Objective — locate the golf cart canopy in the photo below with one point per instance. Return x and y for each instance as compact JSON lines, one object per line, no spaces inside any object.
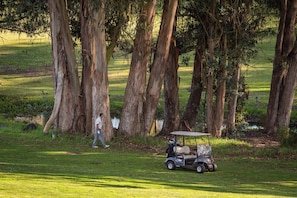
{"x":189,"y":133}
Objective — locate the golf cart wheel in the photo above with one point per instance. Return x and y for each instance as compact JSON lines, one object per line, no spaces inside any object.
{"x":170,"y":165}
{"x":215,"y":167}
{"x":200,"y":168}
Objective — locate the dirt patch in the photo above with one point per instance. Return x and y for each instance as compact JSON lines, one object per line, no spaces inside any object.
{"x":260,"y":139}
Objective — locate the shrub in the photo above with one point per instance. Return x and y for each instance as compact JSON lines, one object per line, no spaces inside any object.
{"x":287,"y":137}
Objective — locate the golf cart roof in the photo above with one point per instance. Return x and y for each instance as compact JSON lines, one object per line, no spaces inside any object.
{"x":189,"y":133}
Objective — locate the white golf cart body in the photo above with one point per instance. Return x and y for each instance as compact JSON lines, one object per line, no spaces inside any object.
{"x":181,"y":156}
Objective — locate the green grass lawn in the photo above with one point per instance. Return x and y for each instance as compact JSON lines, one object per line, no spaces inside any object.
{"x":35,"y":165}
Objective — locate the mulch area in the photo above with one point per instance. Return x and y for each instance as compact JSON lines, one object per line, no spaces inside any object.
{"x":260,"y":139}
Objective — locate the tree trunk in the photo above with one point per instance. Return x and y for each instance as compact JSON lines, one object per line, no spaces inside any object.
{"x":209,"y":89}
{"x":132,"y":120}
{"x":188,"y":120}
{"x":100,"y":97}
{"x":210,"y":66}
{"x":158,"y":68}
{"x":66,"y":110}
{"x":221,"y":89}
{"x":86,"y":82}
{"x":171,"y":81}
{"x":284,"y":44}
{"x":288,"y":93}
{"x":232,"y":102}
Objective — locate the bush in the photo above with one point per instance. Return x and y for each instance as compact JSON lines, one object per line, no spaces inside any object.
{"x":287,"y":137}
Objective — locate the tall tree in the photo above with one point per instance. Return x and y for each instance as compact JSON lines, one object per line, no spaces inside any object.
{"x":211,"y":63}
{"x":283,"y":82}
{"x":171,"y":84}
{"x":67,"y":90}
{"x":158,"y":67}
{"x":132,"y":120}
{"x":77,"y":105}
{"x":192,"y":37}
{"x":227,"y":36}
{"x":188,"y":120}
{"x":100,"y":86}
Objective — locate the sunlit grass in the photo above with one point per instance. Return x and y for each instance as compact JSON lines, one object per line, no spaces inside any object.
{"x":21,"y":52}
{"x":27,"y":86}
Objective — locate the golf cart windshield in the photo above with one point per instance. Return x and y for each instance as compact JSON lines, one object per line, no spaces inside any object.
{"x":189,"y":133}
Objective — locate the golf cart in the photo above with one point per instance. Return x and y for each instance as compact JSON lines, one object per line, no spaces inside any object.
{"x":181,"y":156}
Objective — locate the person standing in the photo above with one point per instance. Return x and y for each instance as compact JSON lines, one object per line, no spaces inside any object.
{"x":98,"y":132}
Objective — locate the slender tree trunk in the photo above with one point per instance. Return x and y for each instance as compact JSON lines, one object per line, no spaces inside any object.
{"x":159,"y":66}
{"x":66,"y":110}
{"x":100,"y":97}
{"x":171,"y":81}
{"x":210,"y":68}
{"x":132,"y":120}
{"x":221,"y":90}
{"x":220,"y":102}
{"x":209,"y":89}
{"x":188,"y":120}
{"x":232,"y":102}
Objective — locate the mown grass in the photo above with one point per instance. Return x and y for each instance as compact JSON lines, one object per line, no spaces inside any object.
{"x":35,"y":165}
{"x":19,"y":52}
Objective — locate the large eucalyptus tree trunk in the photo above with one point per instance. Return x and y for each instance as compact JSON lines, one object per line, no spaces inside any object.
{"x":66,"y":111}
{"x":132,"y":120}
{"x":158,"y":67}
{"x":279,"y":81}
{"x":100,"y":87}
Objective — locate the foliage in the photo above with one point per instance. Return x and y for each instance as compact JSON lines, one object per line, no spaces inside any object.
{"x":28,"y":16}
{"x":23,"y":106}
{"x":287,"y":137}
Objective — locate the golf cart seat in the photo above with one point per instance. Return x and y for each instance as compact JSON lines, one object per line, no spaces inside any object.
{"x":184,"y":151}
{"x":203,"y":149}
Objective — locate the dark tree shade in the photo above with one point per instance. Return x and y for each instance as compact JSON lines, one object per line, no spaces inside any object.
{"x":30,"y":16}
